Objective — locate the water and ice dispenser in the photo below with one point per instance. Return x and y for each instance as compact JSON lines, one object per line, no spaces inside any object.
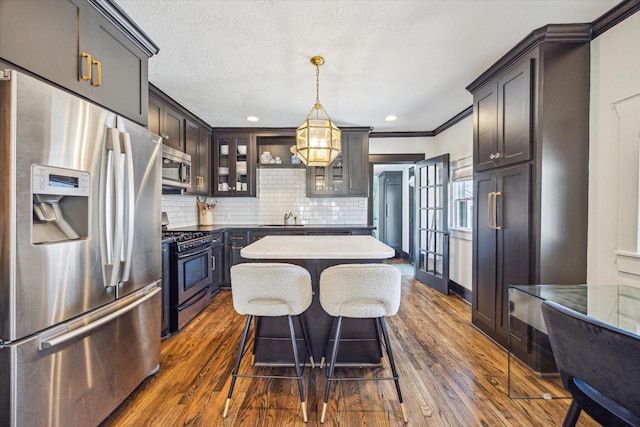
{"x":60,"y":204}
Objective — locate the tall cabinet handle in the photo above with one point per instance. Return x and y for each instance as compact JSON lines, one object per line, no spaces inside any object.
{"x":88,"y":58}
{"x":495,"y":210}
{"x":489,"y":210}
{"x":98,"y":65}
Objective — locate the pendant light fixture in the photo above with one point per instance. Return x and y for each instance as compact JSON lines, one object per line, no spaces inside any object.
{"x":318,"y":138}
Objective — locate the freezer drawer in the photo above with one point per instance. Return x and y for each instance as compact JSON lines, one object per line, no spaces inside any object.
{"x":78,"y":372}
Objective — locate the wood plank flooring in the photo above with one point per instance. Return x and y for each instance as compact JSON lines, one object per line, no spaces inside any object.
{"x":450,"y":374}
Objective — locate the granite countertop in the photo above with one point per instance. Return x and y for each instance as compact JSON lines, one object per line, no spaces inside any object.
{"x":317,"y":247}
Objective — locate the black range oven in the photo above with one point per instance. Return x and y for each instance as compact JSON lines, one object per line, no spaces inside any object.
{"x":192,"y":267}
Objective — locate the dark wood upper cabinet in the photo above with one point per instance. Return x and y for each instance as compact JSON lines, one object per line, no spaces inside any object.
{"x":76,"y":44}
{"x":198,"y":142}
{"x":502,"y":125}
{"x":348,"y":174}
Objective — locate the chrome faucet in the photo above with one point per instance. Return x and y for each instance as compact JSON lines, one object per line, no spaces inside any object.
{"x":287,"y":216}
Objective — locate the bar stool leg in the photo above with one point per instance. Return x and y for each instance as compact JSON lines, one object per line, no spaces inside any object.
{"x":296,"y":359}
{"x":326,"y":344}
{"x":396,"y":379}
{"x":234,"y":373}
{"x":332,"y":365}
{"x":306,"y":340}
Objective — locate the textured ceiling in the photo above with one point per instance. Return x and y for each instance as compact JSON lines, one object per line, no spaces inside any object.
{"x":225,"y":60}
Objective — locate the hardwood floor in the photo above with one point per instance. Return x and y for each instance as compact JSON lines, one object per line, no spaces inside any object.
{"x":450,"y":374}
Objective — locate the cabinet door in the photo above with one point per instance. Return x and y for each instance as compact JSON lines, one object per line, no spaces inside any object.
{"x":513,"y":238}
{"x":485,"y":127}
{"x":42,"y":37}
{"x":514,"y":114}
{"x":155,"y":116}
{"x":119,"y":68}
{"x":234,"y":169}
{"x":328,"y":181}
{"x":484,"y":253}
{"x":217,"y":265}
{"x":173,"y":128}
{"x":204,"y":159}
{"x":501,"y":244}
{"x":191,"y":148}
{"x":358,"y":164}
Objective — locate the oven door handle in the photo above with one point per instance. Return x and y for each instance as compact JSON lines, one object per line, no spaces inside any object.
{"x":190,"y":254}
{"x":190,"y":303}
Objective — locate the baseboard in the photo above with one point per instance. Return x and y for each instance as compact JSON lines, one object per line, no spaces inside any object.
{"x":460,"y":290}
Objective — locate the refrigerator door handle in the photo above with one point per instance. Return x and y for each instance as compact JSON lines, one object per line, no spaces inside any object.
{"x":48,"y":341}
{"x":113,"y":260}
{"x":130,"y":204}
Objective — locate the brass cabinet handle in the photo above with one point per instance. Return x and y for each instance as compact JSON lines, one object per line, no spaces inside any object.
{"x":88,"y":75}
{"x":489,"y":196}
{"x":495,"y":210}
{"x":492,"y":210}
{"x":98,"y":65}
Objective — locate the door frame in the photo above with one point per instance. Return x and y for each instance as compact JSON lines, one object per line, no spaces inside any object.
{"x":401,"y":158}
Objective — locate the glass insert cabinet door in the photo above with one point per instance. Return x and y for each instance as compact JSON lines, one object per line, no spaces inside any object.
{"x":431,"y":218}
{"x":232,"y":168}
{"x":330,"y":179}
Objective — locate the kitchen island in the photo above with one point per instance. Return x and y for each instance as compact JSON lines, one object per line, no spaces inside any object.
{"x":315,"y":253}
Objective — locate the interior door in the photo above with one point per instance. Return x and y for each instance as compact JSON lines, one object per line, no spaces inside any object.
{"x":431,"y":220}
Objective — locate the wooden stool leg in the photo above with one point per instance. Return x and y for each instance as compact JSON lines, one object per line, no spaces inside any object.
{"x":234,"y":373}
{"x":396,"y":378}
{"x":332,"y":365}
{"x":296,"y":360}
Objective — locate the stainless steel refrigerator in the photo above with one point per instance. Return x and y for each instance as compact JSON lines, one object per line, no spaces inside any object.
{"x":80,"y":262}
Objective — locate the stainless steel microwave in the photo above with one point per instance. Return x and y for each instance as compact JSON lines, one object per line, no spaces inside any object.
{"x":176,"y":169}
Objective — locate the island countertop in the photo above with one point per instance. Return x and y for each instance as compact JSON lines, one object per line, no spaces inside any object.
{"x":317,"y":247}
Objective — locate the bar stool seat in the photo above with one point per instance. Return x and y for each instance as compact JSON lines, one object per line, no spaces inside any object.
{"x":271,"y":289}
{"x":360,"y":291}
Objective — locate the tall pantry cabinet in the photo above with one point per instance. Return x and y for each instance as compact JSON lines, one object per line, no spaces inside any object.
{"x":531,"y":141}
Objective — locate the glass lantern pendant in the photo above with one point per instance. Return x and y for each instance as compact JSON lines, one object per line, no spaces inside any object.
{"x":318,"y":138}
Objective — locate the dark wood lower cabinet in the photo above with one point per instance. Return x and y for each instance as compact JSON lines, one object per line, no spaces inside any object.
{"x":501,"y":245}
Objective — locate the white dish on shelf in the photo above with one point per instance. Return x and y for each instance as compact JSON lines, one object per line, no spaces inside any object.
{"x":223,"y":171}
{"x":242,"y":149}
{"x":224,"y":150}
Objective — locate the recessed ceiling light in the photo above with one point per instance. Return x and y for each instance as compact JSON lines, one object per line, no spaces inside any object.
{"x":390,"y":118}
{"x":252,"y":118}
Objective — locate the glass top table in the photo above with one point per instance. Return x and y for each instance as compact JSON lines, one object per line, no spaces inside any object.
{"x":532,"y":372}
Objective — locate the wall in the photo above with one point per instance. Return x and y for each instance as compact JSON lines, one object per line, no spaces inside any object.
{"x":614,"y":154}
{"x":279,"y":191}
{"x":458,"y":142}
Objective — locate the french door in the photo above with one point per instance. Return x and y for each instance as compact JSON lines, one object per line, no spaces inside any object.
{"x":431,"y":220}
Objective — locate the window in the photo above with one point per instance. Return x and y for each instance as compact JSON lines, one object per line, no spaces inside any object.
{"x":462,"y":194}
{"x":462,"y":198}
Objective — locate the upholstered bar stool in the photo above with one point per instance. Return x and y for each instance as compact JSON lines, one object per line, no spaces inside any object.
{"x":360,"y":291}
{"x":271,"y":289}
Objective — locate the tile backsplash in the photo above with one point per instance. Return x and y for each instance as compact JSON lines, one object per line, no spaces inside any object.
{"x":279,"y":191}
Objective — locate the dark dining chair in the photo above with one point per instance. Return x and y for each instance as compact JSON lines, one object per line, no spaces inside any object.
{"x":599,"y":366}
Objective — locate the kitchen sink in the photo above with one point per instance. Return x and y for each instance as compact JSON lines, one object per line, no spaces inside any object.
{"x":282,"y":225}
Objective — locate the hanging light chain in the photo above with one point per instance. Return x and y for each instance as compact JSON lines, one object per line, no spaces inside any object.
{"x":318,"y":106}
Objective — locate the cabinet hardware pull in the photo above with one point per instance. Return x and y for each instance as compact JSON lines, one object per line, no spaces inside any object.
{"x":213,"y":263}
{"x":489,"y":195}
{"x":495,"y":210}
{"x":99,"y":69}
{"x":88,"y":75}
